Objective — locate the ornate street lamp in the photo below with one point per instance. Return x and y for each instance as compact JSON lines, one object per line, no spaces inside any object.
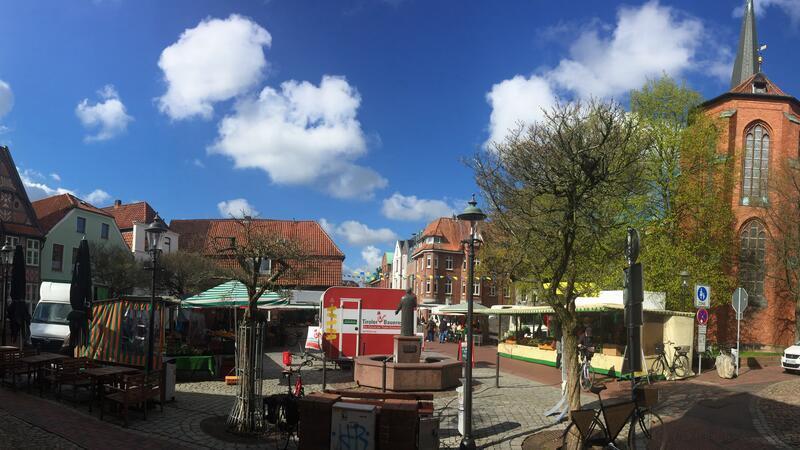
{"x":6,"y":253}
{"x":685,"y":283}
{"x":153,"y":232}
{"x":473,"y":215}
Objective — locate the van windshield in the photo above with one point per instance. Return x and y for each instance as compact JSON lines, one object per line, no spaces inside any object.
{"x":52,"y":313}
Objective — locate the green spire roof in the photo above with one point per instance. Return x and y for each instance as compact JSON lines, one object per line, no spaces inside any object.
{"x":746,"y":64}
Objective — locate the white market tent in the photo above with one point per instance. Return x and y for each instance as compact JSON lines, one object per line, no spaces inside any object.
{"x":459,"y":309}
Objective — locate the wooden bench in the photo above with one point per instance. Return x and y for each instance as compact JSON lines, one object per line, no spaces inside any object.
{"x":68,"y":372}
{"x":134,"y":390}
{"x":12,"y":365}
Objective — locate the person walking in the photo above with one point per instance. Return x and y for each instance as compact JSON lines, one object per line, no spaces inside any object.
{"x":443,"y":329}
{"x":431,"y":329}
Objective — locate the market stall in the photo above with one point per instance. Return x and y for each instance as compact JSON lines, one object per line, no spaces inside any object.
{"x":533,"y":330}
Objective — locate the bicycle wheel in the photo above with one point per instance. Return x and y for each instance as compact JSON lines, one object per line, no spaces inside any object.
{"x":291,"y":339}
{"x":647,"y":432}
{"x":658,"y":368}
{"x":586,"y":376}
{"x":681,"y":366}
{"x":572,"y":429}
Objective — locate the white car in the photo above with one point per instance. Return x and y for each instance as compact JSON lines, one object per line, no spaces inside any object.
{"x":791,"y":358}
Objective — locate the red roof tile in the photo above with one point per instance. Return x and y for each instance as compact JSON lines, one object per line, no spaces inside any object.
{"x":126,"y":215}
{"x":452,"y":231}
{"x":127,"y":236}
{"x":51,"y":210}
{"x":325,"y":266}
{"x":747,"y":86}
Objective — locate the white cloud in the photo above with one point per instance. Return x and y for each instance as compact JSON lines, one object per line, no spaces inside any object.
{"x":790,"y":7}
{"x":37,"y":189}
{"x":198,"y":163}
{"x":302,"y":135}
{"x":98,"y":197}
{"x":55,"y":176}
{"x":409,"y":207}
{"x":358,"y":234}
{"x":646,"y":42}
{"x":6,"y":98}
{"x":108,"y":116}
{"x":518,"y":101}
{"x":237,"y":207}
{"x":217,"y":60}
{"x":372,"y":256}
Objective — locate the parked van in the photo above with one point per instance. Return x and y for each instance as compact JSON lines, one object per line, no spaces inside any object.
{"x":49,"y":324}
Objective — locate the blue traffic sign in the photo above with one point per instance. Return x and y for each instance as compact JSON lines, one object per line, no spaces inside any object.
{"x":702,"y":294}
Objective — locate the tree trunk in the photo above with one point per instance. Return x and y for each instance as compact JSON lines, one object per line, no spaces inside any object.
{"x":245,"y":415}
{"x":570,"y":361}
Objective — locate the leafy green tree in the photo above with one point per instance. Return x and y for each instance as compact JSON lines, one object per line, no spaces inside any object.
{"x":115,"y":268}
{"x":556,"y":195}
{"x":685,"y":214}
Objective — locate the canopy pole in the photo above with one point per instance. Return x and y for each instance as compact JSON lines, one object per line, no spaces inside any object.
{"x":499,"y":339}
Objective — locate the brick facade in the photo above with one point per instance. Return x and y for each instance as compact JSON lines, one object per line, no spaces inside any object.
{"x":740,"y":110}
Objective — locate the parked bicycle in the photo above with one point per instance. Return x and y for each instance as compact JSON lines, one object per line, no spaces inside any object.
{"x":601,"y":427}
{"x":281,"y":410}
{"x":678,"y":367}
{"x":585,"y":367}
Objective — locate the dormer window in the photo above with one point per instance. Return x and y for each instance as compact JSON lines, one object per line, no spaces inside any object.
{"x":759,"y":84}
{"x":433,"y":240}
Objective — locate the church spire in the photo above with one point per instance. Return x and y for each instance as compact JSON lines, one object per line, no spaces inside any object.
{"x":747,"y":63}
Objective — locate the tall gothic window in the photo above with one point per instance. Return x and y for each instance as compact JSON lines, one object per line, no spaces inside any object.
{"x":752,"y":260}
{"x":756,"y":166}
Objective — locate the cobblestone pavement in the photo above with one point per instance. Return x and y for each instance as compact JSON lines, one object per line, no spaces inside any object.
{"x":778,"y":413}
{"x":16,"y":433}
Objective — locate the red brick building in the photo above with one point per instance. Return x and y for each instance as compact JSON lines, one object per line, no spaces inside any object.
{"x":19,"y":225}
{"x":761,"y":134}
{"x":437,"y":267}
{"x":209,"y":236}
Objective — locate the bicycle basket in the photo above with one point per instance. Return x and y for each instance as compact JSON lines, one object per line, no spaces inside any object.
{"x":682,"y":349}
{"x":646,"y":396}
{"x":659,"y":348}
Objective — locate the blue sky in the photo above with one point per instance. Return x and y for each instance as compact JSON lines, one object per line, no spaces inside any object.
{"x":358,"y":112}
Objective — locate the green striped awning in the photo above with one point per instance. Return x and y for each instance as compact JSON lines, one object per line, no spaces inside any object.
{"x":598,"y":307}
{"x":231,"y":294}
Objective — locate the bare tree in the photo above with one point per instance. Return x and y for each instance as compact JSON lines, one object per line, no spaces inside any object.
{"x":115,"y":268}
{"x":187,"y":273}
{"x":783,"y":220}
{"x":556,"y":193}
{"x":263,"y":260}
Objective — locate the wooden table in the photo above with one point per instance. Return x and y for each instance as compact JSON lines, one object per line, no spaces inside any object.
{"x":37,"y":363}
{"x":100,"y":374}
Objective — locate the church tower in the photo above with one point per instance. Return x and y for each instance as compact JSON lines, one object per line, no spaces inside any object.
{"x":761,"y":134}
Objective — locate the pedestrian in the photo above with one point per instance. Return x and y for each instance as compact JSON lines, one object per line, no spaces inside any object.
{"x":431,"y":329}
{"x":443,"y":330}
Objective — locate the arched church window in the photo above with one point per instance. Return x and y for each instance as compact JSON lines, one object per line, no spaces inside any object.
{"x":752,"y":260}
{"x":756,"y":166}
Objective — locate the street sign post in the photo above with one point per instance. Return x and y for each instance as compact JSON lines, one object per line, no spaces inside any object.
{"x":739,"y":303}
{"x":702,"y":316}
{"x":702,"y":320}
{"x":702,"y":296}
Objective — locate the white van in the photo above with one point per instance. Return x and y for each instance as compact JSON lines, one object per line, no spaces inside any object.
{"x":49,"y":324}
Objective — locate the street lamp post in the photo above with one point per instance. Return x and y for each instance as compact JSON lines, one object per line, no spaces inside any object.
{"x":5,"y":259}
{"x":154,"y":231}
{"x":473,"y":215}
{"x":685,"y":283}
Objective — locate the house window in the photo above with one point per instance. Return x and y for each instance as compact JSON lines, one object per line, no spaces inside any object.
{"x":752,"y":260}
{"x":492,"y":291}
{"x":81,"y":226}
{"x":32,"y":292}
{"x":427,"y":287}
{"x":58,"y":257}
{"x":436,"y":262}
{"x":428,"y":261}
{"x":507,"y":292}
{"x":448,"y":287}
{"x":756,"y":166}
{"x":476,"y":289}
{"x":266,"y":266}
{"x":463,"y":288}
{"x":436,"y":286}
{"x":13,"y":241}
{"x":448,"y":263}
{"x":32,"y":252}
{"x":166,"y":245}
{"x":464,"y":264}
{"x":104,"y":231}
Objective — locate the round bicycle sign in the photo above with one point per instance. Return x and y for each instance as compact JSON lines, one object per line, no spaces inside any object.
{"x":702,"y":316}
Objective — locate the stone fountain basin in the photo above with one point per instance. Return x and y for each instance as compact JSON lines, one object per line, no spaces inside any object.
{"x":430,"y":374}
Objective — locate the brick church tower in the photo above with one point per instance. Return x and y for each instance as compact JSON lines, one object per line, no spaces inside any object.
{"x":761,"y":134}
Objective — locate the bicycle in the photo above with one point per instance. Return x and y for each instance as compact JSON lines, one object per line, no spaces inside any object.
{"x":586,"y":374}
{"x":645,"y":427}
{"x":679,"y":367}
{"x":281,"y":410}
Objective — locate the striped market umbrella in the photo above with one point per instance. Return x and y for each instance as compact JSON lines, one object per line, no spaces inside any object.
{"x":231,"y":294}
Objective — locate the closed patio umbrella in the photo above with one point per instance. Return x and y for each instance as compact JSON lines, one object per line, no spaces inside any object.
{"x":19,"y":314}
{"x":80,"y":297}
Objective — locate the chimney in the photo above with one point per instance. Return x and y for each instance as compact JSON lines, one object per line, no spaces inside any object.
{"x":117,"y":203}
